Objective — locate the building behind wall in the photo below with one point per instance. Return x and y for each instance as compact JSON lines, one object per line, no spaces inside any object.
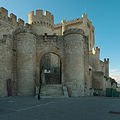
{"x":23,"y":45}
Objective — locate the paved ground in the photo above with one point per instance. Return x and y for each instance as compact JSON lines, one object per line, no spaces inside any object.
{"x":84,"y":108}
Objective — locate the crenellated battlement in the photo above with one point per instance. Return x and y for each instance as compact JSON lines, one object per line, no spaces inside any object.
{"x":69,"y":22}
{"x":106,"y":65}
{"x":12,"y":19}
{"x":3,"y":12}
{"x":21,"y":22}
{"x":72,"y":21}
{"x":84,"y":15}
{"x":23,"y":45}
{"x":97,"y":49}
{"x":89,"y":22}
{"x":76,"y":21}
{"x":57,"y":25}
{"x":106,"y":60}
{"x":97,"y":52}
{"x":38,"y":17}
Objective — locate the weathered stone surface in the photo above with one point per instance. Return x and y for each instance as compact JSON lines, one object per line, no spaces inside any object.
{"x":26,"y":63}
{"x":74,"y":61}
{"x":23,"y":46}
{"x":52,"y":90}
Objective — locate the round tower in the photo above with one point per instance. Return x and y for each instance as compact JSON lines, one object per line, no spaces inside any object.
{"x":74,"y":61}
{"x":106,"y":67}
{"x":97,"y":59}
{"x":40,"y":23}
{"x":26,"y":59}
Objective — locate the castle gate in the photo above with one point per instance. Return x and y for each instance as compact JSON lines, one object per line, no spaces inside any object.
{"x":49,"y":65}
{"x":49,"y":59}
{"x":39,"y":57}
{"x":50,"y":69}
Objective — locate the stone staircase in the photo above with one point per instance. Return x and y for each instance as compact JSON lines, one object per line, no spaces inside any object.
{"x":52,"y":91}
{"x":52,"y":78}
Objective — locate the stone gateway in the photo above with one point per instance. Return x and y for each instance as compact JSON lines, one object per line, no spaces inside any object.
{"x":59,"y":57}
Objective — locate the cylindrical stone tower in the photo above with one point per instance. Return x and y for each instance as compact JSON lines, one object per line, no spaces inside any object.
{"x":26,"y":59}
{"x":74,"y":61}
{"x":97,"y":59}
{"x":40,"y":23}
{"x":106,"y":67}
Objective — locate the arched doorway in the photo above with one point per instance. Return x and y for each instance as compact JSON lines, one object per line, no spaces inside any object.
{"x":50,"y":69}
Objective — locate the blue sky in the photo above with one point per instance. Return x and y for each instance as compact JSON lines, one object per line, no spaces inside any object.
{"x":103,"y":13}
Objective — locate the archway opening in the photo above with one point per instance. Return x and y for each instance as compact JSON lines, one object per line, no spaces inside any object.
{"x":50,"y":69}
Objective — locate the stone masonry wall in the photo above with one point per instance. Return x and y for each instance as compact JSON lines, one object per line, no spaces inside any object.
{"x":6,"y":64}
{"x":26,"y":63}
{"x":48,"y":44}
{"x":81,"y":23}
{"x":22,"y":47}
{"x":40,"y":23}
{"x":74,"y":61}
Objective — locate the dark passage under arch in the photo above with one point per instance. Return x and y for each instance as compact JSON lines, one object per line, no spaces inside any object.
{"x":50,"y":69}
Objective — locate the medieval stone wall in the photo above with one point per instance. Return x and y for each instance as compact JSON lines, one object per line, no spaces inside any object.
{"x":40,"y":23}
{"x":82,"y":23}
{"x":26,"y":63}
{"x":48,"y":44}
{"x":98,"y":79}
{"x":74,"y":61}
{"x":23,"y":46}
{"x":6,"y":63}
{"x":94,"y":59}
{"x":8,"y":24}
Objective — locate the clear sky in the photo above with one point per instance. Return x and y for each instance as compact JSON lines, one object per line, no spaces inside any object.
{"x":105,"y":15}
